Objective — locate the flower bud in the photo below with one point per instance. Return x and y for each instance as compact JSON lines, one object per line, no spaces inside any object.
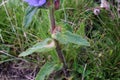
{"x":96,"y":11}
{"x":57,"y":4}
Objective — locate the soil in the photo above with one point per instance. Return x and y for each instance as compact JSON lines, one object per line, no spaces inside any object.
{"x":19,"y":70}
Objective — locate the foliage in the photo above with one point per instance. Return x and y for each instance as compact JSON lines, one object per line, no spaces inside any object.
{"x":68,"y":37}
{"x":100,"y":61}
{"x":30,"y":12}
{"x":48,"y":68}
{"x":43,"y":46}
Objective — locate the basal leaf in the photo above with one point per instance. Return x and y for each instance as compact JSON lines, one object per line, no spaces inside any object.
{"x":43,"y":46}
{"x":30,"y":12}
{"x":68,"y":37}
{"x":48,"y":68}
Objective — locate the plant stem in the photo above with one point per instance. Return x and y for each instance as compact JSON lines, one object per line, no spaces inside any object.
{"x":62,"y":58}
{"x":58,"y":48}
{"x":52,"y":19}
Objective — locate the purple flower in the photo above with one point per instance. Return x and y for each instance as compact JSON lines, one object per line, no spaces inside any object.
{"x":96,"y":11}
{"x":35,"y":3}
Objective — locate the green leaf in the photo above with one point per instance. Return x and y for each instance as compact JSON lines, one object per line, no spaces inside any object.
{"x":48,"y":68}
{"x":68,"y":37}
{"x":44,"y":46}
{"x":30,"y":12}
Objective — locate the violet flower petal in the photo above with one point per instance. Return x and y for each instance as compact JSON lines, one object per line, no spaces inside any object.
{"x":35,"y":3}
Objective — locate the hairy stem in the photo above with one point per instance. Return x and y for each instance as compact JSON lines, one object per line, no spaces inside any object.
{"x":52,"y":19}
{"x":58,"y":48}
{"x":62,"y":58}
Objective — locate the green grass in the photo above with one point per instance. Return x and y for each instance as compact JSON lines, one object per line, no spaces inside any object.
{"x":100,"y":61}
